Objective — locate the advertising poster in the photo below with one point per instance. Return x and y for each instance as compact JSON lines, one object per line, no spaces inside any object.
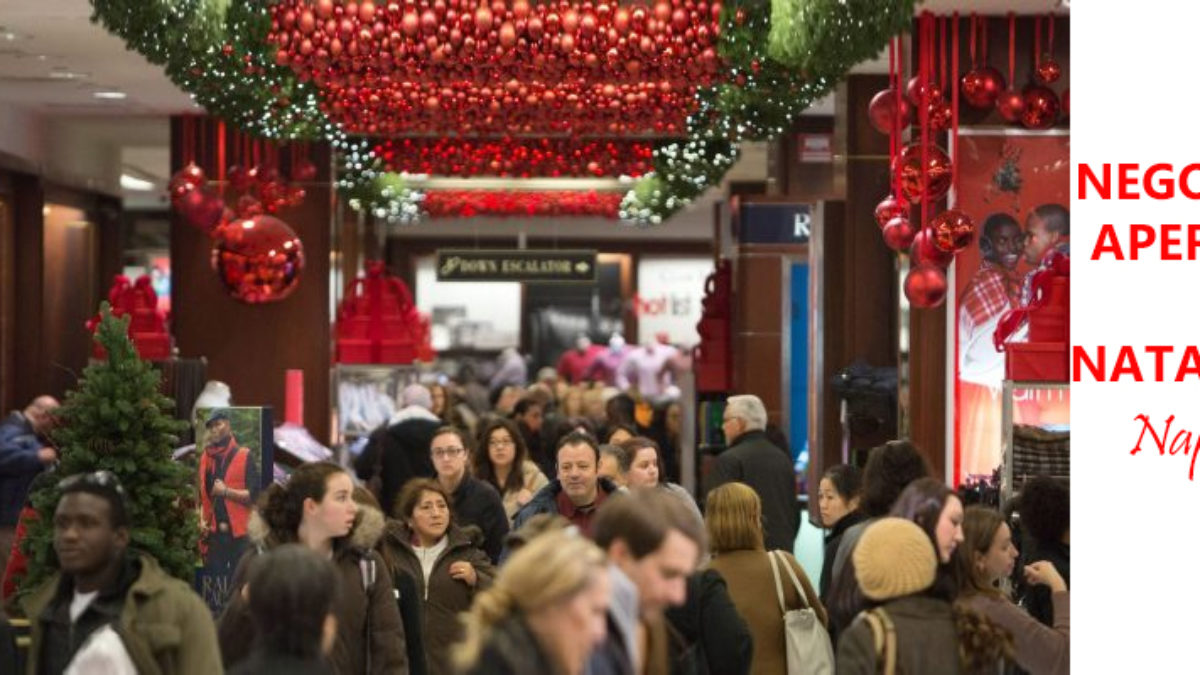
{"x":1004,"y":179}
{"x":234,"y":464}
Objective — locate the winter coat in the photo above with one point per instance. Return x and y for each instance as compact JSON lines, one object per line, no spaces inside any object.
{"x":832,"y":540}
{"x":444,"y":597}
{"x":546,"y":500}
{"x":512,"y":649}
{"x":1036,"y":599}
{"x":8,"y":647}
{"x":165,"y":626}
{"x":752,"y":586}
{"x":369,"y":626}
{"x":268,"y":663}
{"x":759,"y":463}
{"x":399,"y":452}
{"x":477,"y":503}
{"x":1038,"y":649}
{"x":716,"y":639}
{"x":926,"y":640}
{"x":19,"y":465}
{"x":532,"y":479}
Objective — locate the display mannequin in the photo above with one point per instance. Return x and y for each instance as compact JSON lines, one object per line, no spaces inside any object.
{"x":574,"y":364}
{"x":607,"y":368}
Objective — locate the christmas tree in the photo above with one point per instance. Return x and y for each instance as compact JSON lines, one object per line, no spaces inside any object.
{"x":117,"y":420}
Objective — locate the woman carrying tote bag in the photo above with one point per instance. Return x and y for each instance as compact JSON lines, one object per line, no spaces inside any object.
{"x":805,"y":638}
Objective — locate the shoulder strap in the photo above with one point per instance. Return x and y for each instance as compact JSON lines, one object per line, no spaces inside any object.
{"x":778,"y":585}
{"x":783,"y":562}
{"x":884,"y":633}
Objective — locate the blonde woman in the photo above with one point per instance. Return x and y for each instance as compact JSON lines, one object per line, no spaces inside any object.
{"x":735,"y":534}
{"x":545,"y":612}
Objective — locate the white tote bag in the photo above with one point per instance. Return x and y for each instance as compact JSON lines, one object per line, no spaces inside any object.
{"x":809,"y":651}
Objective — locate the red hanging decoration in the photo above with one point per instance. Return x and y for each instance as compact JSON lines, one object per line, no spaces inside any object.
{"x":888,"y":209}
{"x":1048,"y":70}
{"x":924,"y":250}
{"x":925,"y":287}
{"x":923,"y":173}
{"x":1040,"y":109}
{"x":258,"y":259}
{"x":521,"y":204}
{"x":882,"y":110}
{"x":517,"y":157}
{"x":952,"y":231}
{"x":899,"y":233}
{"x":982,"y":85}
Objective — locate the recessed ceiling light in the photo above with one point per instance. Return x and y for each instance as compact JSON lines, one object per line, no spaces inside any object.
{"x":131,"y":183}
{"x":64,"y":74}
{"x":111,"y":95}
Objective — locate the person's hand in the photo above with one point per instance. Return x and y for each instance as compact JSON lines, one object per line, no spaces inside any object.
{"x":524,"y":496}
{"x":47,"y":455}
{"x":219,"y":489}
{"x":1043,"y":572}
{"x":464,"y":572}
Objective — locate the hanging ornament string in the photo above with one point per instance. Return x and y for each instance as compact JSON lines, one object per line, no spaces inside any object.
{"x":1037,"y":43}
{"x":221,"y":153}
{"x":925,"y":47}
{"x":974,"y":60}
{"x":1050,"y":35}
{"x":1012,"y":49}
{"x":983,"y":28}
{"x":954,"y":106}
{"x":942,"y":52}
{"x":894,"y":130}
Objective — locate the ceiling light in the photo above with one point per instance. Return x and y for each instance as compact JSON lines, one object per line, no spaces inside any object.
{"x":111,"y":95}
{"x":137,"y":184}
{"x":64,"y":74}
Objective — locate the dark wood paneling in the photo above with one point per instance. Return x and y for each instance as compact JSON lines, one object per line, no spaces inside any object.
{"x":70,"y":294}
{"x":250,"y":347}
{"x":30,"y":365}
{"x":8,"y":297}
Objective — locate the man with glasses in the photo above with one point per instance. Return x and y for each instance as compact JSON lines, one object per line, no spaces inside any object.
{"x":751,"y":458}
{"x":110,"y":606}
{"x":25,"y":452}
{"x":475,"y":502}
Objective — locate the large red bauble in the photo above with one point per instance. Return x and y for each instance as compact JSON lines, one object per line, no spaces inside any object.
{"x":924,"y":251}
{"x":882,"y":111}
{"x":898,"y":234}
{"x":1041,"y":108}
{"x":982,"y":86}
{"x":918,"y":94}
{"x":258,"y":259}
{"x":887,"y":209}
{"x":952,"y":230}
{"x":1049,"y":71}
{"x":935,"y":182}
{"x":1010,"y":105}
{"x":925,"y":287}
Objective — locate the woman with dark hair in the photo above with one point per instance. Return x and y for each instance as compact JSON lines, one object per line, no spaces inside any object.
{"x":617,"y":434}
{"x":1045,"y":512}
{"x":503,"y":462}
{"x":939,"y":512}
{"x":292,"y":609}
{"x":447,"y":561}
{"x":666,"y":428}
{"x":987,"y":557}
{"x":837,"y":496}
{"x":475,"y":502}
{"x":316,"y":509}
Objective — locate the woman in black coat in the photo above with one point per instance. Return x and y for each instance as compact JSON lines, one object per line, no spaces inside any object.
{"x":716,"y":639}
{"x":838,"y":497}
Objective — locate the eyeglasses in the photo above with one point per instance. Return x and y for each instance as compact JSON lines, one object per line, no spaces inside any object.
{"x":501,"y":443}
{"x":443,"y":453}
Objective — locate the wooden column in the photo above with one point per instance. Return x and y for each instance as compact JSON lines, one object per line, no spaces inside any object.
{"x":249,"y":347}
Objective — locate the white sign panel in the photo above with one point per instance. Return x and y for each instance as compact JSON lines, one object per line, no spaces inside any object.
{"x":669,"y":297}
{"x":468,"y":314}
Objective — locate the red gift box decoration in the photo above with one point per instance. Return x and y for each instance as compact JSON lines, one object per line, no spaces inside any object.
{"x":378,"y":322}
{"x":147,"y":325}
{"x":1045,"y":356}
{"x":713,"y":357}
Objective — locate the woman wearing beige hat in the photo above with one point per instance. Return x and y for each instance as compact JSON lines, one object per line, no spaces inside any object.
{"x":895,"y":564}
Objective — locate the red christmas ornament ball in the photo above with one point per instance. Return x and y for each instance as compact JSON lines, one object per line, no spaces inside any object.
{"x":887,"y":209}
{"x":189,"y":175}
{"x":917,"y":93}
{"x":1010,"y":105}
{"x":258,"y":259}
{"x":1041,"y":108}
{"x":925,"y":253}
{"x":952,"y":230}
{"x":982,"y":86}
{"x":882,"y":111}
{"x":202,"y":209}
{"x":940,"y":116}
{"x":925,"y":287}
{"x":915,"y":185}
{"x":898,"y":234}
{"x":1049,"y":71}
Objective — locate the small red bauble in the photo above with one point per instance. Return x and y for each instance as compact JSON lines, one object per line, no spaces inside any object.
{"x":982,"y":86}
{"x":887,"y":209}
{"x":918,"y":94}
{"x":1049,"y":71}
{"x":1041,"y":108}
{"x":191,"y":175}
{"x":924,"y":251}
{"x":898,"y":234}
{"x":915,"y":185}
{"x":304,"y":171}
{"x":1010,"y":105}
{"x":952,"y":230}
{"x":940,"y":116}
{"x":258,"y":259}
{"x":925,"y":287}
{"x":882,"y":111}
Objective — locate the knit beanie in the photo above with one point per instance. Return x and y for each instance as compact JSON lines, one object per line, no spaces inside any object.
{"x":894,"y":558}
{"x":415,"y":394}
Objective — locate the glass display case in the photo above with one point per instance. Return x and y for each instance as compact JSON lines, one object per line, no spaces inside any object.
{"x":1036,"y":433}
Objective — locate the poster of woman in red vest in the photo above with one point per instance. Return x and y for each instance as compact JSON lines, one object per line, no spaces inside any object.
{"x":230,"y":471}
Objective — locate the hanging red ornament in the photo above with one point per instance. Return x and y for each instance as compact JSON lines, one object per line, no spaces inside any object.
{"x":924,"y":251}
{"x":1049,"y":71}
{"x":304,"y":171}
{"x":887,"y":209}
{"x":1010,"y":105}
{"x":1041,"y":108}
{"x":201,"y":208}
{"x":258,"y":259}
{"x":882,"y":111}
{"x":933,"y":183}
{"x":918,"y":94}
{"x":952,"y":230}
{"x":898,"y":234}
{"x":940,"y":116}
{"x":982,"y":86}
{"x":189,"y":175}
{"x":925,"y":287}
{"x":249,"y":206}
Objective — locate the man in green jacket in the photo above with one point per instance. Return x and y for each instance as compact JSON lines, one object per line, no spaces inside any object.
{"x":110,"y":603}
